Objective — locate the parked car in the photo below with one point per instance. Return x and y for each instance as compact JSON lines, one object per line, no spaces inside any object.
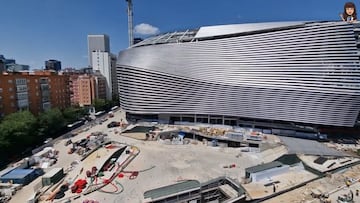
{"x":113,"y":124}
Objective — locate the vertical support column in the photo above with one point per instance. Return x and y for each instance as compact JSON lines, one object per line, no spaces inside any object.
{"x":223,"y":120}
{"x":208,"y":119}
{"x":195,"y":118}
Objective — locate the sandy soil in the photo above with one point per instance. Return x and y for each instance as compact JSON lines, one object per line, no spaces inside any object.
{"x":326,"y":185}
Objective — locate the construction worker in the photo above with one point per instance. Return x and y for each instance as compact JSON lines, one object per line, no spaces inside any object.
{"x":274,"y":188}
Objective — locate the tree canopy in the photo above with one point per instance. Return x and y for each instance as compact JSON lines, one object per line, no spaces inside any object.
{"x":21,"y":131}
{"x":18,"y":131}
{"x":51,"y":123}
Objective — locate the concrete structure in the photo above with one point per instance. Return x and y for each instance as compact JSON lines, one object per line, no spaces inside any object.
{"x":34,"y":91}
{"x":97,"y":43}
{"x":53,"y":65}
{"x":53,"y":176}
{"x":221,"y":189}
{"x":186,"y":191}
{"x":266,"y":171}
{"x":101,"y":62}
{"x":293,"y":72}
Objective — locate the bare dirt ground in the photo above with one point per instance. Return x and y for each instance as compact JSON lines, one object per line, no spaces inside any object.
{"x":327,"y":184}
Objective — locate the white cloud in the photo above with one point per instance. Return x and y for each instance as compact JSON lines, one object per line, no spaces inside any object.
{"x":146,"y":29}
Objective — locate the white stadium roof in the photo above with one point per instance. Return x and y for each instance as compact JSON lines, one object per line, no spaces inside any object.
{"x":221,"y":30}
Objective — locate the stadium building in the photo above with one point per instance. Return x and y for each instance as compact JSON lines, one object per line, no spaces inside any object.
{"x":279,"y":73}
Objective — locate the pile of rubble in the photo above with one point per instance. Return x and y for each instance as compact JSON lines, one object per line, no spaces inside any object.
{"x":87,"y":144}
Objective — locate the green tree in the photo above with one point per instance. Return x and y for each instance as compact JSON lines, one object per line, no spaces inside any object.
{"x":73,"y":113}
{"x":17,"y":132}
{"x":115,"y":100}
{"x":99,"y":104}
{"x":104,"y":104}
{"x":51,"y":123}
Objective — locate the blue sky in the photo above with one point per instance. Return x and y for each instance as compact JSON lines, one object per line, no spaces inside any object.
{"x":33,"y":31}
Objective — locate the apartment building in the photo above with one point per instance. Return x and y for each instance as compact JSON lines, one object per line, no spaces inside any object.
{"x":35,"y":91}
{"x":87,"y":87}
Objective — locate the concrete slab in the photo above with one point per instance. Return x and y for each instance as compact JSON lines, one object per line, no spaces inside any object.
{"x":330,"y":164}
{"x":309,"y":147}
{"x":294,"y":177}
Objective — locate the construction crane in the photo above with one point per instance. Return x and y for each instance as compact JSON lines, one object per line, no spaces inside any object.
{"x":130,"y":22}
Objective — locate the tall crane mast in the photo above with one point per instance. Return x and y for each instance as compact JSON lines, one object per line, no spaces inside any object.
{"x":130,"y":22}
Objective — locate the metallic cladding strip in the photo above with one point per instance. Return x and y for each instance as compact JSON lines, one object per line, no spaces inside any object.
{"x":309,"y":74}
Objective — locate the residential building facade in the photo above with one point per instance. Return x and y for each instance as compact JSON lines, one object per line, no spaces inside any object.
{"x":85,"y":88}
{"x":35,"y":91}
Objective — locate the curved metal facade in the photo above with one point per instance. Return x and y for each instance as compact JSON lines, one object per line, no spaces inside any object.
{"x":308,"y":73}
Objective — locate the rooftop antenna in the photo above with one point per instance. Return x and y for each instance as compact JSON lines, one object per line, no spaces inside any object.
{"x":130,"y":22}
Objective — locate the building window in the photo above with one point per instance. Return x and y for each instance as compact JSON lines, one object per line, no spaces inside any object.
{"x":10,"y":89}
{"x":46,"y":106}
{"x":22,"y":96}
{"x":44,"y":80}
{"x":21,"y":88}
{"x":10,"y":81}
{"x":20,"y":81}
{"x":23,"y":103}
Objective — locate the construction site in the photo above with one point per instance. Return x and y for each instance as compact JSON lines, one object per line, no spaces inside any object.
{"x":150,"y":162}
